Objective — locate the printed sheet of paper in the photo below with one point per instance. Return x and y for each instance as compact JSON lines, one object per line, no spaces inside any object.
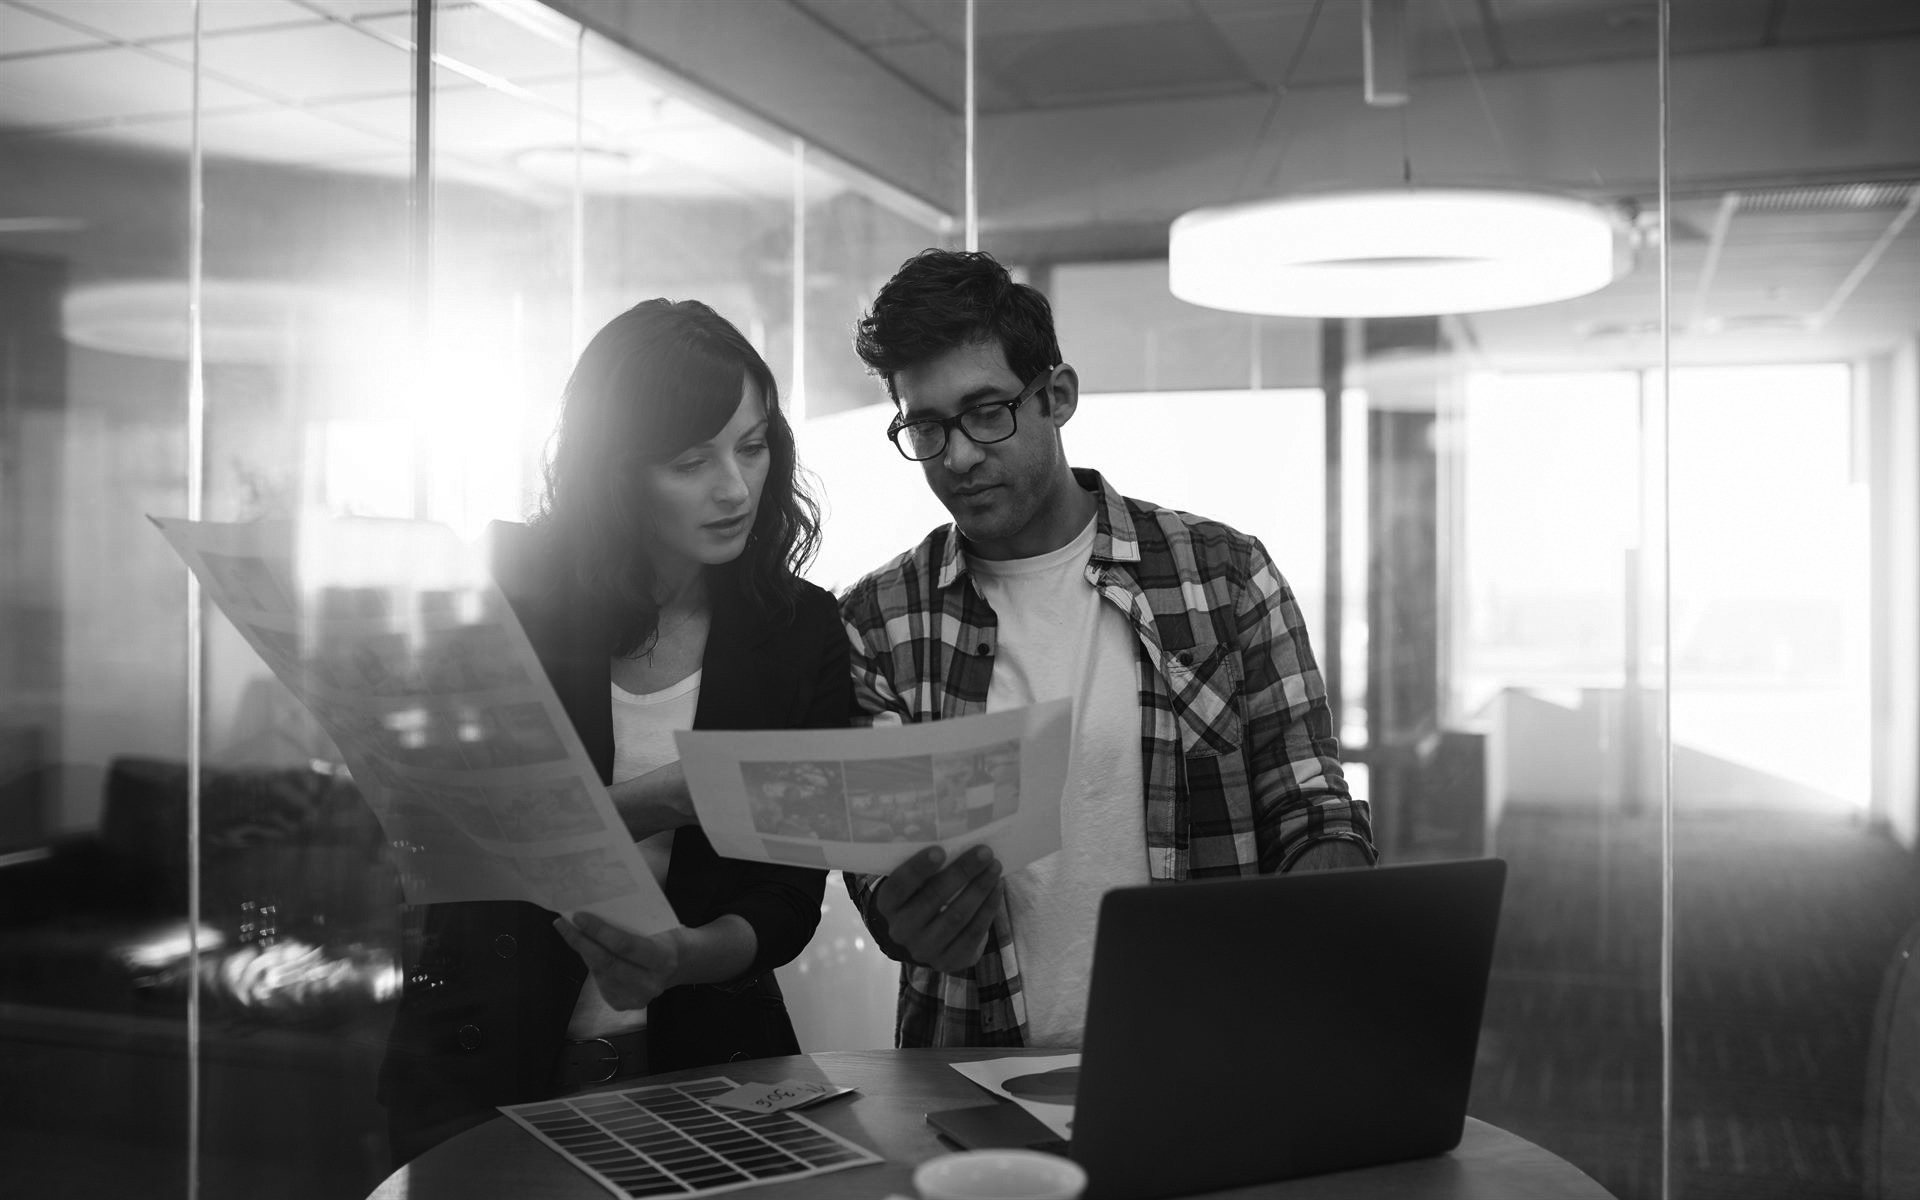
{"x":394,"y":635}
{"x":1044,"y":1085}
{"x":866,"y":799}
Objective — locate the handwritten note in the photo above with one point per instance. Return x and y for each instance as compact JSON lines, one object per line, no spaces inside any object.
{"x":776,"y":1097}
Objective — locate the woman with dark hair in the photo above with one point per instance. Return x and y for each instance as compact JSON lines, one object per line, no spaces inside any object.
{"x":658,"y":584}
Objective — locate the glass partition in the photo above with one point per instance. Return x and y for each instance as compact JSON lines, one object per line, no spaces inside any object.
{"x":1795,"y":309}
{"x":95,"y":137}
{"x":250,"y":270}
{"x":1468,"y":502}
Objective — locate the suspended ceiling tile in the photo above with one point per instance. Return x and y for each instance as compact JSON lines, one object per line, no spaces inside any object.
{"x":150,"y":20}
{"x":1442,"y":39}
{"x":98,"y":85}
{"x":359,"y":9}
{"x":1546,"y":32}
{"x":23,"y":32}
{"x":1722,"y":25}
{"x":1118,"y":62}
{"x":313,"y":64}
{"x":1818,"y":20}
{"x":939,"y":71}
{"x":1023,"y":18}
{"x":221,"y":16}
{"x":125,"y":20}
{"x":390,"y":116}
{"x":867,"y":22}
{"x":488,"y":42}
{"x":1266,"y":38}
{"x":1334,"y":54}
{"x":945,"y":19}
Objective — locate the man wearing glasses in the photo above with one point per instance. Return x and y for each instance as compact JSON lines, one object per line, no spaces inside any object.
{"x":1203,"y":745}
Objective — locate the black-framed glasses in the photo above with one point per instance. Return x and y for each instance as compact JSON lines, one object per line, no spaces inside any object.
{"x":984,"y":424}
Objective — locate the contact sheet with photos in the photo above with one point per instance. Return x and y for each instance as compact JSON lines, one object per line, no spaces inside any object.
{"x":865,"y":799}
{"x":668,"y":1140}
{"x":394,"y":636}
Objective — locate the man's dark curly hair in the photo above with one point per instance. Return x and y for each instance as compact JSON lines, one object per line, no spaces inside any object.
{"x":940,"y":300}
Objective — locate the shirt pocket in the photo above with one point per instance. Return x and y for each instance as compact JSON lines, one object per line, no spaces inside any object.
{"x":1204,"y":686}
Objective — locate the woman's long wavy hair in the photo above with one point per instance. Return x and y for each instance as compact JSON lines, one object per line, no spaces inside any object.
{"x":659,"y":378}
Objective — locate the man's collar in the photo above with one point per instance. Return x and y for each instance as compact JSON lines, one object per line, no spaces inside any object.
{"x":1114,"y":538}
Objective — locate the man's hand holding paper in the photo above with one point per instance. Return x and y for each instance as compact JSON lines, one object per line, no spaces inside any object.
{"x":937,"y":913}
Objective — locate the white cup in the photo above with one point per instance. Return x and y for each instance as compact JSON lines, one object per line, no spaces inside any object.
{"x":999,"y":1175}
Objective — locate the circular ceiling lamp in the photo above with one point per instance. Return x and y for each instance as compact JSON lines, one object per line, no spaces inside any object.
{"x":241,"y":321}
{"x":1395,"y":252}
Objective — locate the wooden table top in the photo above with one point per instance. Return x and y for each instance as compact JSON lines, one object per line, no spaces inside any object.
{"x":897,"y":1088}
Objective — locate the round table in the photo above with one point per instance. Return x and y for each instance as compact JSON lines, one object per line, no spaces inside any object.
{"x":897,"y":1088}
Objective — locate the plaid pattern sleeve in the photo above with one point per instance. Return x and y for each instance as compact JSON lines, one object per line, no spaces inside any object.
{"x":1299,"y":791}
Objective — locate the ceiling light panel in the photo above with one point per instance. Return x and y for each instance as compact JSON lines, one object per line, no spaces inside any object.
{"x":487,"y":42}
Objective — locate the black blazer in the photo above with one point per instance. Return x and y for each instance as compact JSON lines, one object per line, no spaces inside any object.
{"x":483,"y":1017}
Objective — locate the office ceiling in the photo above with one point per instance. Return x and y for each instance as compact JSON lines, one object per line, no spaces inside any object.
{"x":1074,"y":164}
{"x":1061,"y":53}
{"x":328,"y":84}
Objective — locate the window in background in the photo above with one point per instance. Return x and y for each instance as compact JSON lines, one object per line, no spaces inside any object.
{"x":1770,"y":590}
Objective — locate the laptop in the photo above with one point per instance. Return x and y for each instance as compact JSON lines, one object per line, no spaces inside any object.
{"x":1251,"y":1030}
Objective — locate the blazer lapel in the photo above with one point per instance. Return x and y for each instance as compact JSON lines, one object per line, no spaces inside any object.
{"x":737,"y":681}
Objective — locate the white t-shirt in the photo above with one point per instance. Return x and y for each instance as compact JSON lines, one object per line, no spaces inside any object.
{"x":643,"y":725}
{"x":1057,"y":638}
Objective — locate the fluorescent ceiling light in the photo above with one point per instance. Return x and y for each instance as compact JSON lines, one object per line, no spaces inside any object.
{"x":1390,"y":252}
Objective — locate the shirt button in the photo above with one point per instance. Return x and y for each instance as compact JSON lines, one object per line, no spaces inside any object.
{"x":505,"y":946}
{"x":982,"y":651}
{"x":1185,"y":657}
{"x":469,"y":1037}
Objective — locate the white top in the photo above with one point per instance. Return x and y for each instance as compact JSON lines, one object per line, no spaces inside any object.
{"x":643,"y":725}
{"x":1058,"y":638}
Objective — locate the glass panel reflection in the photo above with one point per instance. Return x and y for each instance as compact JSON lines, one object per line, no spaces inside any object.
{"x":1796,"y":300}
{"x":94,"y":137}
{"x":1474,"y":494}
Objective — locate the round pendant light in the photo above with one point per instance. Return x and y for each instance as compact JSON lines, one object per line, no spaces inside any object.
{"x":1387,"y":252}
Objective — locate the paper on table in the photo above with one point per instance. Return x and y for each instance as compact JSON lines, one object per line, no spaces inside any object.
{"x":395,"y":637}
{"x":778,"y":1097}
{"x":866,"y":799}
{"x":1035,"y":1084}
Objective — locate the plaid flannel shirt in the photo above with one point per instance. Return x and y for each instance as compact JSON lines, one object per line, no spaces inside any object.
{"x":1238,"y":754}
